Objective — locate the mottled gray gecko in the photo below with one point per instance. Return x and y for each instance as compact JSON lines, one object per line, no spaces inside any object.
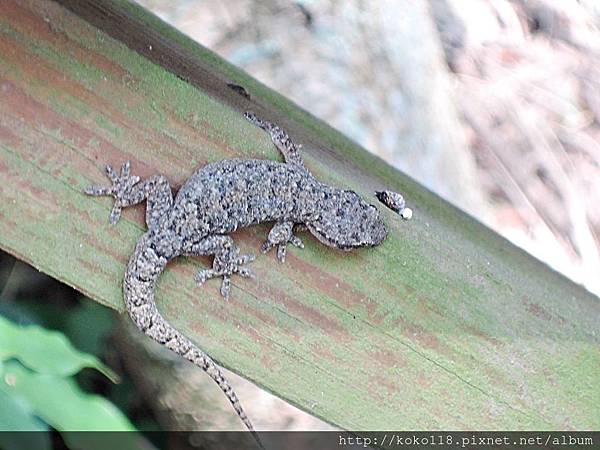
{"x":214,"y":202}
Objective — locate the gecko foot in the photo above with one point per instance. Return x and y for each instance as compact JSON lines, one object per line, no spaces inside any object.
{"x":288,"y":148}
{"x":225,"y":265}
{"x":279,"y":236}
{"x":122,"y":184}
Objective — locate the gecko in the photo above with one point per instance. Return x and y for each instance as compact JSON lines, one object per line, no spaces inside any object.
{"x":215,"y":201}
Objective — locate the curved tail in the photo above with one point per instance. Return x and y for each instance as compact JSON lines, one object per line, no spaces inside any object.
{"x":143,"y":270}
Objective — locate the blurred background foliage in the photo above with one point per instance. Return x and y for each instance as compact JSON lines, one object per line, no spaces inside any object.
{"x":493,"y":104}
{"x":52,"y":339}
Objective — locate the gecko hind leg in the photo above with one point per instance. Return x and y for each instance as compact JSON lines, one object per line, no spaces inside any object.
{"x":227,"y":261}
{"x":284,"y":143}
{"x":279,"y":236}
{"x":127,"y":191}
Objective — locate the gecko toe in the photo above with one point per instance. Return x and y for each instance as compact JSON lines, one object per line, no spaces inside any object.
{"x":244,"y":272}
{"x":295,"y":240}
{"x":281,"y":251}
{"x":110,"y":173}
{"x":266,"y":246}
{"x":226,"y":286}
{"x":203,"y":275}
{"x":133,"y":180}
{"x":240,"y":263}
{"x":97,"y":191}
{"x":115,"y":214}
{"x":225,"y":265}
{"x":244,"y":259}
{"x":125,"y":169}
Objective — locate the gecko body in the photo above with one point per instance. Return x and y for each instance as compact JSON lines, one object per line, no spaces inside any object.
{"x":214,"y":202}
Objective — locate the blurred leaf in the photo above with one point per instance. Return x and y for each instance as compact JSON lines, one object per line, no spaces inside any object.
{"x":17,"y":415}
{"x":46,"y":352}
{"x":60,"y":402}
{"x":88,"y":324}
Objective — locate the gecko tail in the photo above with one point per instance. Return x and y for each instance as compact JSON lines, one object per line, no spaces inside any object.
{"x":143,"y":270}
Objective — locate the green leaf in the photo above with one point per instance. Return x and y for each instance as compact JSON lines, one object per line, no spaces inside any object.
{"x":88,"y":325}
{"x":46,"y":352}
{"x":17,"y":415}
{"x":60,"y":402}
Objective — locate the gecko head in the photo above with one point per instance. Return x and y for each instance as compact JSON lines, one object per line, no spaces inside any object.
{"x":347,"y":221}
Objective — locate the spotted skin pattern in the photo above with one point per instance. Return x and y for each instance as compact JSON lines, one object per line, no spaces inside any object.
{"x":214,"y":202}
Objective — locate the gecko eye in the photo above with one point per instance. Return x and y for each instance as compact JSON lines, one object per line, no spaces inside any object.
{"x":347,"y":222}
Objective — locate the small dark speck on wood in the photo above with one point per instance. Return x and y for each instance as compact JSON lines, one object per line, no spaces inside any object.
{"x":239,"y":89}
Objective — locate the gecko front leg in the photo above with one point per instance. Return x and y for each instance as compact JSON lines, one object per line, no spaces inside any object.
{"x":227,"y":260}
{"x":279,"y":236}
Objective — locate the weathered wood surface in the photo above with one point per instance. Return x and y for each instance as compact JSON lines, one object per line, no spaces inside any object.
{"x":444,"y":326}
